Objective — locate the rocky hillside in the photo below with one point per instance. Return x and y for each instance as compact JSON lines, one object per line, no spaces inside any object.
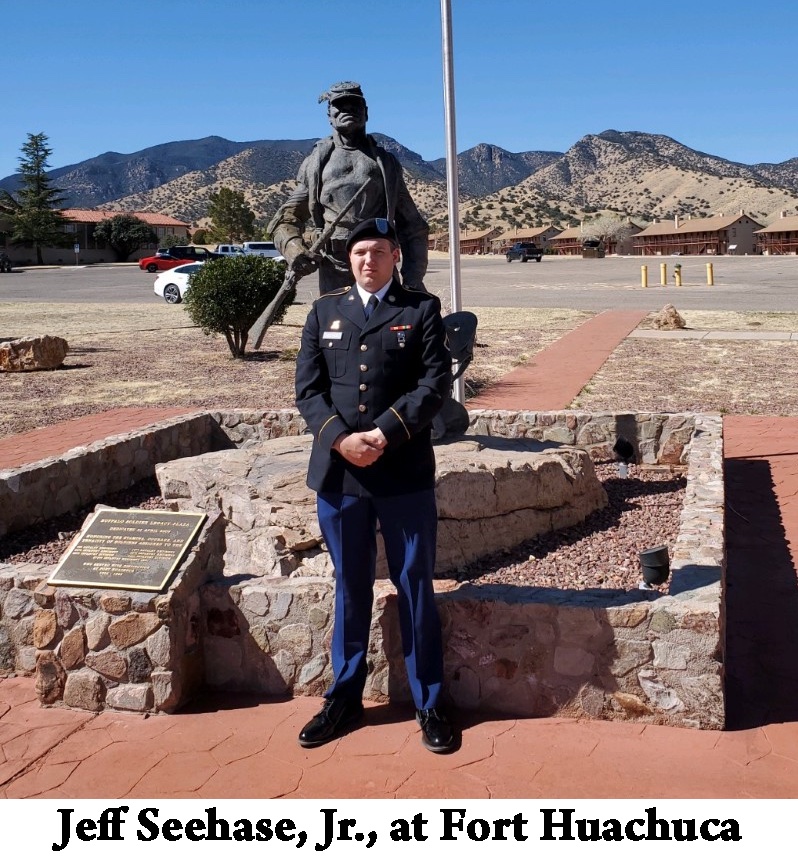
{"x":262,"y":174}
{"x":642,"y":176}
{"x":646,"y":175}
{"x":114,"y":175}
{"x":177,"y":178}
{"x":486,"y":168}
{"x":625,"y":174}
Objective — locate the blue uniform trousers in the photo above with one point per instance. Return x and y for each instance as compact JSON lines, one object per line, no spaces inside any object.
{"x":409,"y":527}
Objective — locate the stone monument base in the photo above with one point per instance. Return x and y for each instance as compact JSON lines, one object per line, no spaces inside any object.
{"x":492,"y":493}
{"x":622,"y":655}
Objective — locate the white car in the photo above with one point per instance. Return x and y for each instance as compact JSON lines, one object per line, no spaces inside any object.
{"x":173,"y":283}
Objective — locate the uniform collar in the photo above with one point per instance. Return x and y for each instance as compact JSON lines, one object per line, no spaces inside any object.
{"x":365,"y":295}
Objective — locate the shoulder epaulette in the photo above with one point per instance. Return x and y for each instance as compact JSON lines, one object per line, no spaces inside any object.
{"x":416,"y":292}
{"x":341,"y":292}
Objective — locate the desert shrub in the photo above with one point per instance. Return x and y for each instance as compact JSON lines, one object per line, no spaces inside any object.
{"x":227,"y":295}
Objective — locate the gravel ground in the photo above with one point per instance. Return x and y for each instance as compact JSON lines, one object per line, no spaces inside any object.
{"x":744,"y":378}
{"x":602,"y":552}
{"x":46,"y":542}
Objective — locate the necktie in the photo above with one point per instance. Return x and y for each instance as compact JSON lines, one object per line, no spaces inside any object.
{"x":368,"y":308}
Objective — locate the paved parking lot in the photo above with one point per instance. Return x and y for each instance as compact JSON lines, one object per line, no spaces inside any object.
{"x":741,"y":283}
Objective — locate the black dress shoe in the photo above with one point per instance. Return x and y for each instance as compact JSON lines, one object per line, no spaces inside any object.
{"x":330,"y":721}
{"x":437,"y":734}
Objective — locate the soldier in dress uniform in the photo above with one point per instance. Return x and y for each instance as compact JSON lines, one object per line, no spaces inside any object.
{"x":372,"y":372}
{"x":329,"y":178}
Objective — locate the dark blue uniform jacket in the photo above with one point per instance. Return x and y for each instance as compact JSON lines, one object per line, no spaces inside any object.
{"x":391,"y":372}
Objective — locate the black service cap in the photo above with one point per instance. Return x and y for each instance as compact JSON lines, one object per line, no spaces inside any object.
{"x":373,"y":228}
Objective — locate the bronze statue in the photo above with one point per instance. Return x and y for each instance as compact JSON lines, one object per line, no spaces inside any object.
{"x":346,"y":179}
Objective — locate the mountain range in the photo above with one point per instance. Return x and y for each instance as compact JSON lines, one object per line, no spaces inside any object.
{"x":629,"y":174}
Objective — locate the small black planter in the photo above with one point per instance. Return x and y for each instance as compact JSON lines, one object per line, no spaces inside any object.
{"x":656,"y":565}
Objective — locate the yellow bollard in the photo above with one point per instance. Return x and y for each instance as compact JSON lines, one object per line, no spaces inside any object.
{"x":663,"y":274}
{"x":677,"y":275}
{"x":710,"y":275}
{"x":644,"y":276}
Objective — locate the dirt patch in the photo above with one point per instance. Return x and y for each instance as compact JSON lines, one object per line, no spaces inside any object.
{"x":740,"y":377}
{"x":134,"y":355}
{"x":643,"y":511}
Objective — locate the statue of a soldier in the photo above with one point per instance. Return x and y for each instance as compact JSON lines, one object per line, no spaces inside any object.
{"x":348,"y":165}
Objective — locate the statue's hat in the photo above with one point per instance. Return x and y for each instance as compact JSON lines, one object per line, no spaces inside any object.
{"x":342,"y":90}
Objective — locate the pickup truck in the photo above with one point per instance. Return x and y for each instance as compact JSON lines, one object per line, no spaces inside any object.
{"x":524,"y":251}
{"x":229,"y":250}
{"x":263,"y":249}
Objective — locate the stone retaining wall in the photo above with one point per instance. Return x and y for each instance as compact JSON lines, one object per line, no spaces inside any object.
{"x":58,"y":485}
{"x":616,"y":655}
{"x":17,"y":610}
{"x":40,"y":491}
{"x":611,"y":654}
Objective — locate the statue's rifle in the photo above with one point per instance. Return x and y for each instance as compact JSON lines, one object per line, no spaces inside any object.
{"x":260,"y":325}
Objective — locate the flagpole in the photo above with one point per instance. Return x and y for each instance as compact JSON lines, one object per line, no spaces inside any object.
{"x":452,"y":191}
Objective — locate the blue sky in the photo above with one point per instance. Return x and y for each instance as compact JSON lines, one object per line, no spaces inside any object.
{"x":100,"y":75}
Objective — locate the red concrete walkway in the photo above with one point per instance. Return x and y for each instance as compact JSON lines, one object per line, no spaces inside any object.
{"x":22,"y":448}
{"x":761,"y":469}
{"x":556,"y":375}
{"x":235,"y":747}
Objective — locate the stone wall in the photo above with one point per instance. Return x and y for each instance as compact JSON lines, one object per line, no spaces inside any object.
{"x":48,"y":488}
{"x":655,"y":437}
{"x":523,"y":651}
{"x":18,"y":584}
{"x":85,"y":475}
{"x":616,"y":655}
{"x":621,"y":655}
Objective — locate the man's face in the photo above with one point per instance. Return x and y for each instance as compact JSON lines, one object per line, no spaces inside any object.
{"x":348,"y":115}
{"x":372,"y":262}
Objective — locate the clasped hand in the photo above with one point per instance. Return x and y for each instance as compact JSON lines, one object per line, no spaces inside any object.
{"x":361,"y":449}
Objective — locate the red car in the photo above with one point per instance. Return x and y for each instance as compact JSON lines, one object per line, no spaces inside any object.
{"x":175,"y":256}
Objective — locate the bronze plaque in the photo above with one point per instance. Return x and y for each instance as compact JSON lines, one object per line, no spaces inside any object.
{"x":137,"y":550}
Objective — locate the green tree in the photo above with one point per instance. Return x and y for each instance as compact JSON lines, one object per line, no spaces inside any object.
{"x":227,"y":295}
{"x":200,"y":236}
{"x":34,"y":211}
{"x":170,"y":240}
{"x":124,"y":234}
{"x":232,"y":220}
